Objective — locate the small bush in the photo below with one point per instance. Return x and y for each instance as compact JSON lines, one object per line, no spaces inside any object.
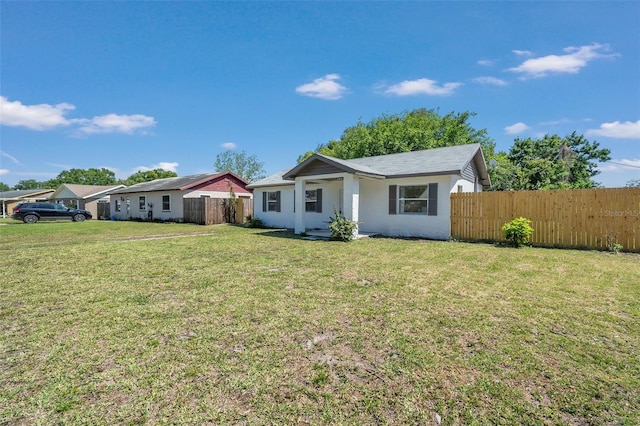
{"x":616,"y":248}
{"x":518,"y":231}
{"x":342,"y":229}
{"x":254,"y":222}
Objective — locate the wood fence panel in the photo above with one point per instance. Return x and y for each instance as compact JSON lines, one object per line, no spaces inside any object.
{"x":581,"y":218}
{"x":213,"y":211}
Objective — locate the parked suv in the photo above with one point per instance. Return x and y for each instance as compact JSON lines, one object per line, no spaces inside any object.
{"x":33,"y":212}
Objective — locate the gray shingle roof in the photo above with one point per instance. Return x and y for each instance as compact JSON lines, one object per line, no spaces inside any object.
{"x":437,"y":161}
{"x":169,"y":184}
{"x":451,"y":159}
{"x":21,"y":193}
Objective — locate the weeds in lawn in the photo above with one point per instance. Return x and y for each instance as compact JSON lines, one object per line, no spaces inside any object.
{"x":122,"y":322}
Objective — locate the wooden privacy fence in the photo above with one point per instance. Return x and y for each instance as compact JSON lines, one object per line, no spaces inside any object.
{"x":581,"y":218}
{"x":213,"y":211}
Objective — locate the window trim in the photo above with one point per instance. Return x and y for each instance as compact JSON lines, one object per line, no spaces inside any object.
{"x":142,"y":203}
{"x":117,"y":205}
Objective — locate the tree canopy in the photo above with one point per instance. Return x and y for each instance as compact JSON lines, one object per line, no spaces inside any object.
{"x":552,"y":162}
{"x":31,"y":184}
{"x":4,"y":187}
{"x":246,"y":166}
{"x":409,"y":131}
{"x":91,"y":176}
{"x":148,"y":176}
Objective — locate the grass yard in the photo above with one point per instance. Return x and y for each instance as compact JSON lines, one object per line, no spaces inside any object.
{"x":132,"y":323}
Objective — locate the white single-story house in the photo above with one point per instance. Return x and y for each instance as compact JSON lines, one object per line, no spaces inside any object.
{"x":83,"y":196}
{"x":404,"y":194}
{"x":163,"y":198}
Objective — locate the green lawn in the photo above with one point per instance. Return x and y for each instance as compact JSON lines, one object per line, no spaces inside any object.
{"x":130,"y":323}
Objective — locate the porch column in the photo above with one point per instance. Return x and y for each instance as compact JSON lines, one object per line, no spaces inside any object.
{"x":351,"y":202}
{"x":299,"y":204}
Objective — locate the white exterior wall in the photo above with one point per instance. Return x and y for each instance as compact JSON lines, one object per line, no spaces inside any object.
{"x":373,"y":210}
{"x":176,"y":212}
{"x":176,"y":199}
{"x":466,"y":185}
{"x":331,"y":192}
{"x":375,"y":217}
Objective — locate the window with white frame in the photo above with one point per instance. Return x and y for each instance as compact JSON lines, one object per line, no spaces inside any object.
{"x":313,"y":200}
{"x":118,"y":205}
{"x":413,"y":199}
{"x":271,"y":201}
{"x":166,"y":203}
{"x":142,"y":203}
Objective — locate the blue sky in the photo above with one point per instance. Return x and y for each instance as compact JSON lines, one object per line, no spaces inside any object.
{"x":137,"y":85}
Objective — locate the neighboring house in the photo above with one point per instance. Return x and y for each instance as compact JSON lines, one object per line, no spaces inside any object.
{"x":404,"y":194}
{"x":85,"y":197}
{"x":163,"y":198}
{"x":10,"y":199}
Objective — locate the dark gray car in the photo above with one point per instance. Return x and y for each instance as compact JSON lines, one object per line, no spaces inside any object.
{"x":33,"y":212}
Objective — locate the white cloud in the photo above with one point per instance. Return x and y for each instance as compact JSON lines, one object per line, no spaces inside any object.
{"x":34,"y":117}
{"x":523,"y":52}
{"x":572,"y":62}
{"x":46,"y":117}
{"x":422,"y":86}
{"x":172,"y":167}
{"x":485,"y":62}
{"x":11,"y":158}
{"x":618,"y":130}
{"x":4,"y":172}
{"x":516,"y":128}
{"x":229,"y":145}
{"x":326,"y":88}
{"x":114,"y":123}
{"x":490,"y":81}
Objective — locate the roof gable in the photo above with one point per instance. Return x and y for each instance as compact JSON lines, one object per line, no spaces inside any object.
{"x":319,"y":164}
{"x":71,"y":190}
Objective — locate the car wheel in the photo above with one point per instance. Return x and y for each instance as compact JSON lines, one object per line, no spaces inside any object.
{"x":30,"y":218}
{"x":79,"y":218}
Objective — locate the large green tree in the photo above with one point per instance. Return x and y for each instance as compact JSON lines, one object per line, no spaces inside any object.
{"x":4,"y":187}
{"x":84,"y":177}
{"x":552,"y":162}
{"x":409,"y":131}
{"x":246,"y":166}
{"x":148,"y":176}
{"x":31,"y":184}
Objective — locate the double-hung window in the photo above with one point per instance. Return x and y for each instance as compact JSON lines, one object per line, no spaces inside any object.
{"x":166,"y":203}
{"x":142,"y":203}
{"x":313,"y":200}
{"x":118,"y":205}
{"x":271,"y":201}
{"x":414,"y":199}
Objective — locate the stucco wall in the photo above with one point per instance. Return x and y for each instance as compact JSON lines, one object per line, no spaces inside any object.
{"x":374,"y":214}
{"x":155,"y":198}
{"x":286,"y":218}
{"x":375,"y":217}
